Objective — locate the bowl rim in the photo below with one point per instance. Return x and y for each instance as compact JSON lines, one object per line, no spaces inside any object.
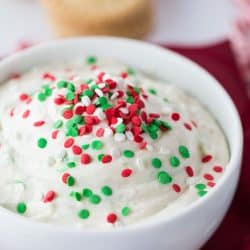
{"x":147,"y":224}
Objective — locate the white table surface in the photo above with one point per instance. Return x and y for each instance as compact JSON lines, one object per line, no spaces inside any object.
{"x":187,"y":22}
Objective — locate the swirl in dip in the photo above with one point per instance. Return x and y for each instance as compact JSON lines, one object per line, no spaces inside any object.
{"x":97,"y":144}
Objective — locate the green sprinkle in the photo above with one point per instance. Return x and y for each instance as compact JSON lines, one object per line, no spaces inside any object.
{"x":164,"y":178}
{"x":153,"y":135}
{"x":58,"y":124}
{"x":77,"y":196}
{"x":85,"y":146}
{"x":83,"y":214}
{"x":184,"y":152}
{"x":130,"y":100}
{"x":174,"y":161}
{"x":91,"y":60}
{"x":128,"y":153}
{"x":95,"y":199}
{"x":156,"y":163}
{"x":71,"y":181}
{"x":21,"y":208}
{"x":88,"y":92}
{"x":102,"y":100}
{"x":99,"y":157}
{"x":62,"y":84}
{"x":166,"y":125}
{"x":48,"y":91}
{"x":202,"y":192}
{"x":120,"y":128}
{"x":70,"y":123}
{"x":71,"y":87}
{"x":152,"y":91}
{"x":126,"y":211}
{"x":42,"y":143}
{"x":71,"y":164}
{"x":70,"y":96}
{"x":41,"y":97}
{"x":72,"y":132}
{"x":144,"y":127}
{"x":200,"y":186}
{"x":106,"y":190}
{"x":86,"y":192}
{"x":78,"y":119}
{"x":97,"y":144}
{"x":131,"y":71}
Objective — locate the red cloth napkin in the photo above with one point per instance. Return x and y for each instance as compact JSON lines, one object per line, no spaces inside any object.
{"x":234,"y":232}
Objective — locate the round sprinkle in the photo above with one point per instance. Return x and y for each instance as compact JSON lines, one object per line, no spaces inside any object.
{"x":175,"y":117}
{"x":70,"y":181}
{"x":49,"y":197}
{"x":41,"y":97}
{"x":218,"y":169}
{"x":206,"y":158}
{"x":156,"y":163}
{"x":200,"y":186}
{"x":71,"y":164}
{"x":189,"y":171}
{"x":21,"y":207}
{"x":38,"y":123}
{"x":106,"y":158}
{"x":77,"y":196}
{"x":106,"y":190}
{"x":120,"y":128}
{"x":95,"y":199}
{"x":85,"y":159}
{"x":208,"y":177}
{"x":128,"y":153}
{"x":97,"y":144}
{"x":86,"y":192}
{"x":91,"y":60}
{"x":23,"y":97}
{"x":83,"y":214}
{"x":111,"y":218}
{"x":42,"y":143}
{"x":174,"y":161}
{"x":65,"y":177}
{"x":69,"y":142}
{"x":184,"y":152}
{"x":126,"y":211}
{"x":76,"y":150}
{"x":164,"y":178}
{"x":126,"y":172}
{"x":202,"y":193}
{"x":58,"y":124}
{"x":176,"y":188}
{"x":68,"y":113}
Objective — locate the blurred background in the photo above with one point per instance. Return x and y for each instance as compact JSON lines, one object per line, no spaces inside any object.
{"x":185,"y":22}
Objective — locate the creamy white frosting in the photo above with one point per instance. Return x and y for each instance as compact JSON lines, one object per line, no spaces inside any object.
{"x":29,"y":172}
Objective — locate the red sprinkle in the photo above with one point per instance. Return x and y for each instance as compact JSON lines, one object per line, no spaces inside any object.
{"x":143,"y":145}
{"x":50,"y":196}
{"x":208,"y":177}
{"x":65,"y":177}
{"x":26,"y":114}
{"x":111,"y":218}
{"x":187,"y":126}
{"x":76,"y":150}
{"x":100,"y":132}
{"x":84,"y":130}
{"x":38,"y":123}
{"x":176,"y":188}
{"x":136,"y":120}
{"x":175,"y":117}
{"x":85,"y":159}
{"x":68,"y":113}
{"x":126,"y":172}
{"x":54,"y":134}
{"x":189,"y":171}
{"x":211,"y":184}
{"x":69,"y":142}
{"x":218,"y":169}
{"x":90,"y":109}
{"x":124,"y":75}
{"x":59,"y":100}
{"x":12,"y":112}
{"x":106,"y":158}
{"x":23,"y":97}
{"x":49,"y":76}
{"x":207,"y":158}
{"x":79,"y":110}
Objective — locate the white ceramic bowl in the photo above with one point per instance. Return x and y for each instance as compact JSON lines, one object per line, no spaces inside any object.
{"x":188,"y":228}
